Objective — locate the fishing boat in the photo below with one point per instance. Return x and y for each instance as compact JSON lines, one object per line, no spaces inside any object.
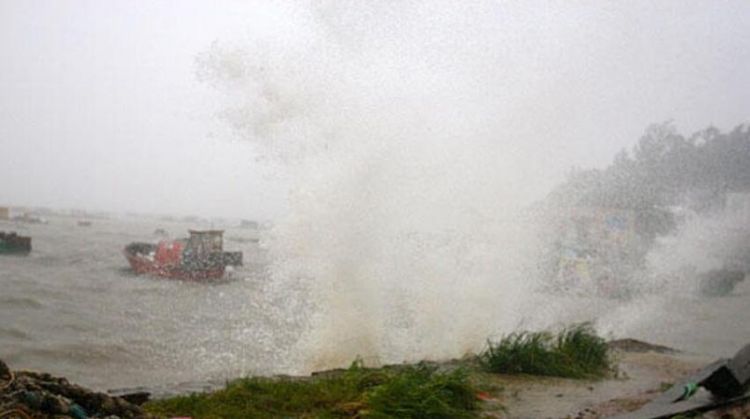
{"x":13,"y":243}
{"x":29,"y":219}
{"x":199,"y":257}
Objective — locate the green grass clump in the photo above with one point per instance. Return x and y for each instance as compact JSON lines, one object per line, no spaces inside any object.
{"x":575,"y":352}
{"x":419,"y":392}
{"x":405,"y":392}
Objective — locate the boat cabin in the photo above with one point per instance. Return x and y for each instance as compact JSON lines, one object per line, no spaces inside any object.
{"x":205,"y":242}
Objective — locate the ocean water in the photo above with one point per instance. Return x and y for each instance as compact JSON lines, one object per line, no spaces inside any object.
{"x":73,"y":308}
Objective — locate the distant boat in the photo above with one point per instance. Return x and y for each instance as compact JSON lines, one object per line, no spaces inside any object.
{"x":249,"y":224}
{"x":28,"y":218}
{"x":199,"y":257}
{"x":13,"y":243}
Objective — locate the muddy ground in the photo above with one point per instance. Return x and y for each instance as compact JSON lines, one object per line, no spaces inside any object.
{"x":644,"y":371}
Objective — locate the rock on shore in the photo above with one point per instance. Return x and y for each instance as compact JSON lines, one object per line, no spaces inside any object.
{"x":27,"y":394}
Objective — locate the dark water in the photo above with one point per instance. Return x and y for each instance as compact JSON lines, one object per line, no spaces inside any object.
{"x":72,"y":307}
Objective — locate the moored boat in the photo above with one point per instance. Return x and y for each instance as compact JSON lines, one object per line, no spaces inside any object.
{"x":199,"y":257}
{"x":13,"y":243}
{"x":29,"y":218}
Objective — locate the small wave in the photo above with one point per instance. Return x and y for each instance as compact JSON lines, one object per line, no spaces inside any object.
{"x":126,"y":271}
{"x":74,"y":327}
{"x":22,"y":302}
{"x":81,"y":353}
{"x":13,"y":333}
{"x":47,"y":260}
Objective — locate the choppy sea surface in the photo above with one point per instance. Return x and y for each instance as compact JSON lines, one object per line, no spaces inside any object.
{"x":72,"y":307}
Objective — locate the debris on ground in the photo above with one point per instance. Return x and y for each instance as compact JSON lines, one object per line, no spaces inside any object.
{"x":33,"y":395}
{"x":721,"y":384}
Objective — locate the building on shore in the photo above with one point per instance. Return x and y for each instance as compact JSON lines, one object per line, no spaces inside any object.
{"x":594,"y":247}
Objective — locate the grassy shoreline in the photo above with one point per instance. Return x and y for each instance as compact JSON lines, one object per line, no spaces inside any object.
{"x":456,"y":389}
{"x":462,"y":388}
{"x":423,"y":390}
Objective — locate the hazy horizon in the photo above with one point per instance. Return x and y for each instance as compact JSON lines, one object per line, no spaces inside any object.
{"x":101,"y":108}
{"x":395,"y":147}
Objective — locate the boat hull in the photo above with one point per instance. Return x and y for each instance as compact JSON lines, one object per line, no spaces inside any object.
{"x":143,"y":265}
{"x":11,"y":243}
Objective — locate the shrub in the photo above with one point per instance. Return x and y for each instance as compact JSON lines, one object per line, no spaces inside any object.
{"x":421,"y":392}
{"x":575,"y":352}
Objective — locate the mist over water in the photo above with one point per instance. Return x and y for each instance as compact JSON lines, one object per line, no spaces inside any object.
{"x":404,"y":239}
{"x":415,"y":139}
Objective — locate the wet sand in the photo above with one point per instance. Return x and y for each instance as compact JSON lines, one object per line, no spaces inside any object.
{"x":641,"y":376}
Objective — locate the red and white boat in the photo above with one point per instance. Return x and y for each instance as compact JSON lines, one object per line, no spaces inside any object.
{"x":199,"y":257}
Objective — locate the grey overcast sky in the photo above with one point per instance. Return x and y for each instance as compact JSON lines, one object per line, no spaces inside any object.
{"x":100,"y":106}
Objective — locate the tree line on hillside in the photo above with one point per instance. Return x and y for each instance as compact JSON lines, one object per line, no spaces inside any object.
{"x":645,"y":188}
{"x":661,"y":171}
